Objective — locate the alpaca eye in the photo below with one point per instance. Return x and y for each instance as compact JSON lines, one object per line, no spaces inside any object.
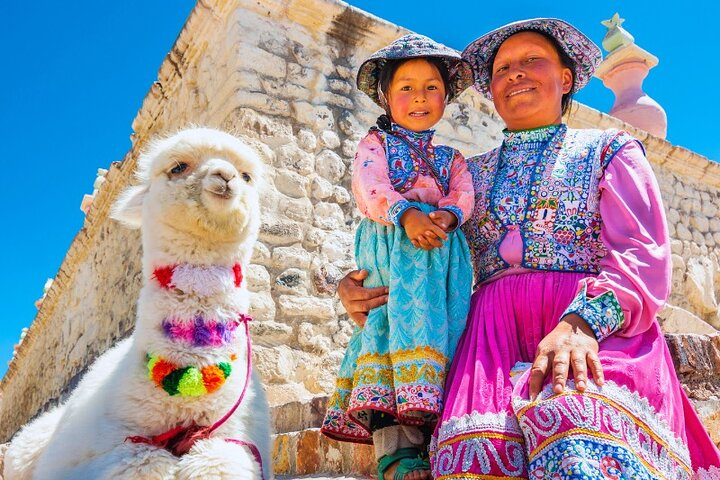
{"x":179,"y":168}
{"x":246,"y":177}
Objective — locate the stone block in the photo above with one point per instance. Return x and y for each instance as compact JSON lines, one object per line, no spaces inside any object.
{"x":330,"y":166}
{"x":291,"y":183}
{"x":292,"y":281}
{"x":329,"y":216}
{"x":292,"y":157}
{"x":318,"y":118}
{"x":280,"y":232}
{"x":254,"y":58}
{"x":673,"y":319}
{"x":329,"y":139}
{"x":699,"y":285}
{"x":299,"y":210}
{"x":294,"y":256}
{"x":262,"y":306}
{"x":309,"y":307}
{"x":270,"y":333}
{"x":261,"y":254}
{"x":307,"y":140}
{"x":263,"y":103}
{"x":326,"y":278}
{"x":321,"y":188}
{"x":341,"y":195}
{"x":258,"y":278}
{"x":276,"y":364}
{"x":308,"y":452}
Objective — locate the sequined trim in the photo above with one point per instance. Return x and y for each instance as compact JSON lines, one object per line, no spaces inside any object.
{"x":602,"y":313}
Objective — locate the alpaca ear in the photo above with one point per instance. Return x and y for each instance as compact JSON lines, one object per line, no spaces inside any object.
{"x":127,"y":209}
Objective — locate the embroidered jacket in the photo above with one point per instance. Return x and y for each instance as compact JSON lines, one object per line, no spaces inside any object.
{"x":388,"y":175}
{"x":544,"y":187}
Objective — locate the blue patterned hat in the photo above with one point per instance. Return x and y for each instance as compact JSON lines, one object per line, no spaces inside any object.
{"x":577,"y":46}
{"x":414,"y":46}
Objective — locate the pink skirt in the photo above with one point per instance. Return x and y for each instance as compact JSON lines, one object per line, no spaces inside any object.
{"x":639,"y":425}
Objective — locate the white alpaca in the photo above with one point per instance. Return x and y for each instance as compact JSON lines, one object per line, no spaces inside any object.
{"x":197,"y":204}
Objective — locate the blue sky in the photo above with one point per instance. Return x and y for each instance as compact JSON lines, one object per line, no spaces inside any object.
{"x":75,"y":73}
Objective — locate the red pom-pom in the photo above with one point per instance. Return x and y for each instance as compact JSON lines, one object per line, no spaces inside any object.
{"x":164,"y":276}
{"x":237,"y":270}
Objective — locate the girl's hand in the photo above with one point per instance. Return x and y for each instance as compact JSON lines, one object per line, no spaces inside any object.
{"x":443,"y":219}
{"x":570,"y":344}
{"x":358,"y":300}
{"x":421,"y":231}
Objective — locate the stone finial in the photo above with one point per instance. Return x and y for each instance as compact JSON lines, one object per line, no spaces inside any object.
{"x":623,"y":72}
{"x":616,"y":36}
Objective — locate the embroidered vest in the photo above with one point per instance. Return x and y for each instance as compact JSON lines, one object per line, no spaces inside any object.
{"x":560,"y":225}
{"x":405,"y":165}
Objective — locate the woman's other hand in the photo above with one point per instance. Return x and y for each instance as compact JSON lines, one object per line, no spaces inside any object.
{"x":358,"y":300}
{"x":422,"y":232}
{"x":571,"y":344}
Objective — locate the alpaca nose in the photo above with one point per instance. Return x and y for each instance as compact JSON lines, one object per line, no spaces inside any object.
{"x":224,"y":172}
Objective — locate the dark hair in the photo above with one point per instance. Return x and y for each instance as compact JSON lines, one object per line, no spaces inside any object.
{"x":388,"y":72}
{"x":565,"y":59}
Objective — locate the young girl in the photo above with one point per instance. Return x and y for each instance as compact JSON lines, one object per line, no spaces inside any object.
{"x":414,"y":196}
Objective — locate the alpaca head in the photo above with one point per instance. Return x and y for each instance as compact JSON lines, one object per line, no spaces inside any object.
{"x":197,"y":188}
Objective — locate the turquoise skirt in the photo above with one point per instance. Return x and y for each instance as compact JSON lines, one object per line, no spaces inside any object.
{"x":397,"y":363}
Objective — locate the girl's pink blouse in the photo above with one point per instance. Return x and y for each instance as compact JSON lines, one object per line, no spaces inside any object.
{"x":375,"y":195}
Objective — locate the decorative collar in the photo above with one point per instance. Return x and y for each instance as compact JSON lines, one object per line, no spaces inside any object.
{"x":531,"y":138}
{"x":202,"y":280}
{"x":188,"y":381}
{"x":202,"y":332}
{"x":419,"y":139}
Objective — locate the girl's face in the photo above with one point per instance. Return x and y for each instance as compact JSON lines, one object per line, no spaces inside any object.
{"x":416,"y":95}
{"x":528,"y":81}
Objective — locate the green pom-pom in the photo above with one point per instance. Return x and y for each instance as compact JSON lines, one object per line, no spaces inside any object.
{"x":226,"y":368}
{"x":191,"y":384}
{"x":172,"y":380}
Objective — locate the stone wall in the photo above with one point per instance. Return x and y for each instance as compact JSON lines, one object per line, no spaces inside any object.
{"x":281,"y":75}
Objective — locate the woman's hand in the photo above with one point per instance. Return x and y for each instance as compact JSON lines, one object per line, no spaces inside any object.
{"x":570,"y":344}
{"x":422,"y":232}
{"x":358,"y":300}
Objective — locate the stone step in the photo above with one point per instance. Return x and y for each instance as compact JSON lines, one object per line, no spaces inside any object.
{"x":308,"y":452}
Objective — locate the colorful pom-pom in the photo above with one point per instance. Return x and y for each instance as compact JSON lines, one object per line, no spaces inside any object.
{"x":191,"y":383}
{"x":213,"y":378}
{"x":187,"y":381}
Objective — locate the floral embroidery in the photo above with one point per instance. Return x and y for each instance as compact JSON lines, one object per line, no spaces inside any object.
{"x":602,"y":313}
{"x":407,"y":384}
{"x":603,"y":432}
{"x":555,"y":209}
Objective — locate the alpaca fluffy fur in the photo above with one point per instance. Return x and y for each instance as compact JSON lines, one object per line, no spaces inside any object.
{"x":205,"y":215}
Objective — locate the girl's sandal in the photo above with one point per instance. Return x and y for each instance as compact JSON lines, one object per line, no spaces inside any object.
{"x":408,"y":460}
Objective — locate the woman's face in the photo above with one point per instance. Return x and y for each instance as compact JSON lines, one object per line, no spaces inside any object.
{"x":528,"y":82}
{"x":416,"y":95}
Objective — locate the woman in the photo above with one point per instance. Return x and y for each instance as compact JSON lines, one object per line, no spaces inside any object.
{"x":562,"y":371}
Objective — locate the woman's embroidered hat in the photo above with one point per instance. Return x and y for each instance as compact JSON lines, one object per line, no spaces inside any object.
{"x":414,"y":46}
{"x":577,"y":46}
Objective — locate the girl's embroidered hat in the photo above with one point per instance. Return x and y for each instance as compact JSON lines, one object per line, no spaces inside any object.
{"x":577,"y":46}
{"x":414,"y":46}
